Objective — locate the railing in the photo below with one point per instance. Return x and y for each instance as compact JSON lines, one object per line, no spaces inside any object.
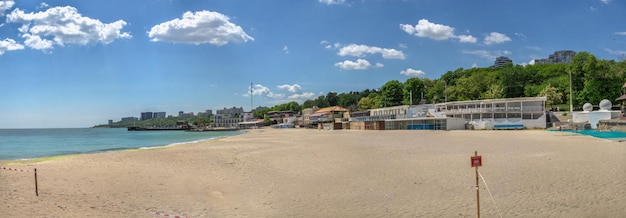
{"x":496,"y":110}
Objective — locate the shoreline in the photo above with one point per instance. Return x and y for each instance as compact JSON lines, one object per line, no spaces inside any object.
{"x":9,"y":162}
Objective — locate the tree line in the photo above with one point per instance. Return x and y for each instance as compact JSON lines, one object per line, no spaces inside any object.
{"x":591,"y":81}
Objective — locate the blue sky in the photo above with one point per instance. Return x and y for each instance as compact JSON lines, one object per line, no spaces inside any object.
{"x":80,"y":63}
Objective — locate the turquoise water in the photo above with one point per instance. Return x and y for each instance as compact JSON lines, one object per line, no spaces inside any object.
{"x":599,"y":134}
{"x":33,"y":143}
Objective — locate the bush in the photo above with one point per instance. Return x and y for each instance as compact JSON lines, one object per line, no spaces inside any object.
{"x":564,"y":114}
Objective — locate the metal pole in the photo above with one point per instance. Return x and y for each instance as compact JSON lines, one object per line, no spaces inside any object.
{"x":477,"y":190}
{"x":36,"y":188}
{"x":571,"y":103}
{"x":445,"y":90}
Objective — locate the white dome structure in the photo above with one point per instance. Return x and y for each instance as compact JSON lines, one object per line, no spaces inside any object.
{"x":605,"y":105}
{"x":587,"y":107}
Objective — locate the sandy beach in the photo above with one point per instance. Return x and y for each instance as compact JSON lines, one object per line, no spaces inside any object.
{"x":349,"y":173}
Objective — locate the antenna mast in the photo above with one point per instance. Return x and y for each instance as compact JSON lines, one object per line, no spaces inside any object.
{"x":251,"y":105}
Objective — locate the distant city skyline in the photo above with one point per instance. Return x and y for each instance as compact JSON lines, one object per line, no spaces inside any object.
{"x":82,"y":63}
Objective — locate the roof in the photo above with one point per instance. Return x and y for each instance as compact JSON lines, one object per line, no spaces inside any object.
{"x":331,"y":109}
{"x":623,"y":97}
{"x":317,"y":114}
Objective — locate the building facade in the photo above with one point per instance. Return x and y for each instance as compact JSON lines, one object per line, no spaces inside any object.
{"x":233,"y":110}
{"x":128,"y":119}
{"x":563,"y":56}
{"x":501,"y":61}
{"x":158,"y":115}
{"x":509,"y":113}
{"x":146,"y":115}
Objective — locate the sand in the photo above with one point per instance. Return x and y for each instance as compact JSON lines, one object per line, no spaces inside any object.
{"x":345,"y":173}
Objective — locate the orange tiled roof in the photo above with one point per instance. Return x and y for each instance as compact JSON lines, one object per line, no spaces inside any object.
{"x":330,"y":109}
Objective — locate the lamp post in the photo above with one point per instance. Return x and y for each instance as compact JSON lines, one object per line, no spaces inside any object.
{"x":571,"y":104}
{"x":445,"y":91}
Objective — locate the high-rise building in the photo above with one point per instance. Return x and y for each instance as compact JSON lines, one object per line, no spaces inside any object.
{"x":146,"y":115}
{"x":563,"y":56}
{"x":233,"y":110}
{"x":501,"y":61}
{"x":129,"y":119}
{"x":158,"y":115}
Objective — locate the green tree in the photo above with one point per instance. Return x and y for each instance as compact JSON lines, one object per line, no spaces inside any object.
{"x":392,"y":94}
{"x":332,"y":99}
{"x":495,"y":91}
{"x":553,"y":96}
{"x":370,"y":102}
{"x":413,"y":87}
{"x":321,"y":102}
{"x":348,"y":100}
{"x":309,"y":103}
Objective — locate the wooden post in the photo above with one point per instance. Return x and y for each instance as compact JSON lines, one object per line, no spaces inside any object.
{"x":477,"y":190}
{"x":36,"y":188}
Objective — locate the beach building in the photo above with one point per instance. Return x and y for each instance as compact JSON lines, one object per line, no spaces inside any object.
{"x":405,"y":117}
{"x":306,"y":116}
{"x":509,"y":113}
{"x":278,"y":116}
{"x":329,"y":117}
{"x":512,"y":113}
{"x":226,"y":120}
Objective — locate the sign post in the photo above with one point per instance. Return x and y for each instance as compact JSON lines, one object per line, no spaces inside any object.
{"x":476,"y":162}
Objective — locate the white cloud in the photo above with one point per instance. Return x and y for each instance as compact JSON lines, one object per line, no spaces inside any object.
{"x":379,"y":65}
{"x":489,"y":55}
{"x":306,"y":95}
{"x":402,"y":45}
{"x":332,"y":2}
{"x":285,"y":49}
{"x":533,"y":48}
{"x":291,"y":88}
{"x":496,"y":38}
{"x":467,"y":38}
{"x":43,"y":5}
{"x":606,"y":2}
{"x":36,"y":42}
{"x":329,"y":46}
{"x":531,"y":62}
{"x":5,"y":5}
{"x":362,"y":50}
{"x":64,"y":25}
{"x":474,"y":65}
{"x":260,"y":90}
{"x":9,"y":45}
{"x":615,"y":52}
{"x":360,"y":64}
{"x":620,"y":33}
{"x":198,"y":28}
{"x":412,"y":72}
{"x":424,"y":28}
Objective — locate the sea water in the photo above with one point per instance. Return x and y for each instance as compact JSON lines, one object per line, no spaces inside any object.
{"x":615,"y":135}
{"x":34,"y":143}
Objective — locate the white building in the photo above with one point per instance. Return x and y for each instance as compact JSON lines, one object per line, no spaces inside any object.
{"x":509,"y":113}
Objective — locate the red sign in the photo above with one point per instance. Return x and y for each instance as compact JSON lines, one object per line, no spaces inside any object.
{"x":477,"y":161}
